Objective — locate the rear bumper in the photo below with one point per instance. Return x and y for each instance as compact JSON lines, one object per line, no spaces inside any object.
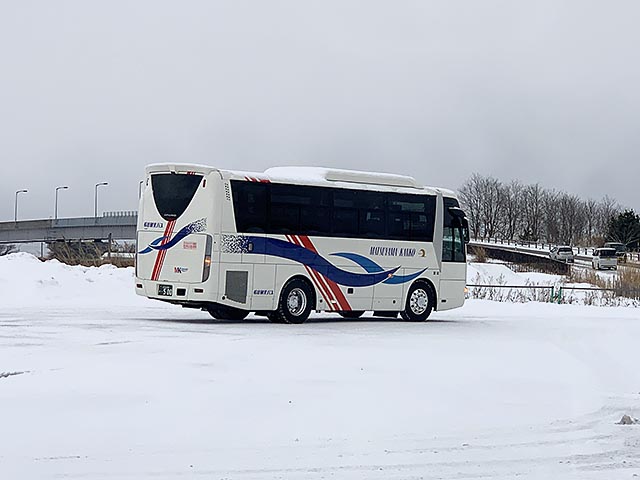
{"x":181,"y":292}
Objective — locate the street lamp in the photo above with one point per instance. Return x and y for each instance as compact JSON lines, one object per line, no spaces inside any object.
{"x":15,"y":217}
{"x":95,"y":198}
{"x":56,"y":204}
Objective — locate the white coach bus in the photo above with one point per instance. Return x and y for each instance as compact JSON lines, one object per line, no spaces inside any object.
{"x":295,"y":239}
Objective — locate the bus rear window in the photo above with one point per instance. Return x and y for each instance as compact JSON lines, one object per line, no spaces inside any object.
{"x":173,"y":192}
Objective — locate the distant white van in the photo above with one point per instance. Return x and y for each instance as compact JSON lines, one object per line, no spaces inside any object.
{"x":604,"y":258}
{"x":562,"y":254}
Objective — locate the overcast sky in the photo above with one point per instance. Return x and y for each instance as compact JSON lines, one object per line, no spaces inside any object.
{"x":542,"y":91}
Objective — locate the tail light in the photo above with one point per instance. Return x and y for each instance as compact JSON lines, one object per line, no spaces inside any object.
{"x":206,"y":271}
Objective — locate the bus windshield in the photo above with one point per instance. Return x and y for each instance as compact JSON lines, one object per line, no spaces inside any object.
{"x":173,"y":192}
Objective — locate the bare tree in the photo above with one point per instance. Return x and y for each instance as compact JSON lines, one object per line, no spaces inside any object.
{"x":591,"y":214}
{"x":490,"y":190}
{"x":533,"y":197}
{"x":471,"y":201}
{"x":511,"y":202}
{"x":608,"y":209}
{"x":531,"y":213}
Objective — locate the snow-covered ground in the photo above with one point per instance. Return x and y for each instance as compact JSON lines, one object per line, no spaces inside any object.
{"x":98,"y":383}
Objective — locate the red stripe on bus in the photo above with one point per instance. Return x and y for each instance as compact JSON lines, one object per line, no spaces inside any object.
{"x":159,"y":253}
{"x":314,"y":276}
{"x":322,"y":285}
{"x":168,"y":231}
{"x":164,"y":252}
{"x":333,"y":286}
{"x":334,"y":298}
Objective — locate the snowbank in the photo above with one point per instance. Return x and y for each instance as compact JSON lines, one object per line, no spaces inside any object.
{"x":500,"y":274}
{"x":26,"y":281}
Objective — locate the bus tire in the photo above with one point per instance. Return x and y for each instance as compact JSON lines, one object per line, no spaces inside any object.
{"x":296,"y":302}
{"x":222,"y":312}
{"x":420,"y":301}
{"x":353,"y":314}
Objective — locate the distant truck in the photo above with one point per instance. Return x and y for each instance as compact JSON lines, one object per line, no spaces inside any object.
{"x":620,"y":248}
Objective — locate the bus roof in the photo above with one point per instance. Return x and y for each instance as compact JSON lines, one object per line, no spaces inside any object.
{"x":304,"y":175}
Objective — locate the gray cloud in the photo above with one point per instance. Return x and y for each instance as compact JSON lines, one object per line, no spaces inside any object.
{"x":542,"y":91}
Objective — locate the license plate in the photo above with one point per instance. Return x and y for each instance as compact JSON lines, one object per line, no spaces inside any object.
{"x":165,"y":290}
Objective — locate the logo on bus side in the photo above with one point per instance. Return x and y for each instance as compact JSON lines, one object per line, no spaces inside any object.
{"x":180,"y":269}
{"x":190,"y":245}
{"x":153,"y":225}
{"x":393,"y":252}
{"x":263,"y":292}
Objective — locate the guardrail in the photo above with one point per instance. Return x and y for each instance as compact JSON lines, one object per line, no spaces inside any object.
{"x":546,"y":247}
{"x":556,"y":293}
{"x":531,"y":259}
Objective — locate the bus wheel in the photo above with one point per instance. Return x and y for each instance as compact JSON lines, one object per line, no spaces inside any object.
{"x":295,"y":304}
{"x":222,"y":312}
{"x":420,"y":302}
{"x":351,"y":313}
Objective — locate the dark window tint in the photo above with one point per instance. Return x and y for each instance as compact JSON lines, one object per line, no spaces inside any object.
{"x":250,"y":206}
{"x":324,"y":211}
{"x":315,"y":220}
{"x":173,"y":192}
{"x":410,"y":216}
{"x":284,"y":218}
{"x":372,"y":223}
{"x":453,"y":249}
{"x":345,"y":222}
{"x":449,"y":220}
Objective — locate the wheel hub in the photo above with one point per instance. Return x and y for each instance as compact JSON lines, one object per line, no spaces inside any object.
{"x":419,"y":301}
{"x":296,"y":302}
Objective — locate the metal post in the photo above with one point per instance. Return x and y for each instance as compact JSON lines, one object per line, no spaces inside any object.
{"x":55,"y":215}
{"x":15,"y":216}
{"x":95,"y":198}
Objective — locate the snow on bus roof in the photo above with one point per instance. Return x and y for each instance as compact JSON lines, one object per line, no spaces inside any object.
{"x":179,"y":167}
{"x":322,"y":174}
{"x":309,"y":175}
{"x":348,"y":179}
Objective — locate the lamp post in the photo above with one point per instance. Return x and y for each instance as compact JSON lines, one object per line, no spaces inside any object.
{"x":95,"y":198}
{"x":55,"y":213}
{"x":15,"y":217}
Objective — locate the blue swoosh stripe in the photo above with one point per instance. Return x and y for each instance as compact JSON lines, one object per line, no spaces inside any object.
{"x":369,"y":265}
{"x":151,"y":246}
{"x":372,"y":267}
{"x":291,"y":251}
{"x":194,"y":227}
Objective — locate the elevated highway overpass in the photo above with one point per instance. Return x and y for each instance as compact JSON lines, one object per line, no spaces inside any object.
{"x":113,"y":225}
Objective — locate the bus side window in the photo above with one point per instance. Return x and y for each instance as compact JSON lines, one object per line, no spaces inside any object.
{"x":250,"y":206}
{"x":453,"y":237}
